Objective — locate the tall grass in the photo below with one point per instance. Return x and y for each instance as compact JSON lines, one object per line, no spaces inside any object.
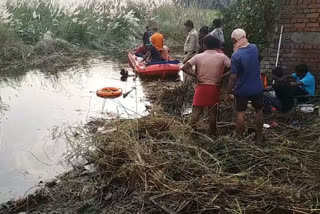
{"x":111,"y":26}
{"x":171,"y":20}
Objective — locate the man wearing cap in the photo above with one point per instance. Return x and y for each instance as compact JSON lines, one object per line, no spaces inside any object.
{"x":191,"y":45}
{"x":245,"y":83}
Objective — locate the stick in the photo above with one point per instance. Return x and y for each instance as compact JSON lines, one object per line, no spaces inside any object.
{"x":279,"y":46}
{"x":127,"y":93}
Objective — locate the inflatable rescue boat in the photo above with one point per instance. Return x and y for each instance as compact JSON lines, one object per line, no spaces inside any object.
{"x":161,"y":69}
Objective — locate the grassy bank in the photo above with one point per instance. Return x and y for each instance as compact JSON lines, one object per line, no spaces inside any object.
{"x":158,"y":165}
{"x":109,"y":27}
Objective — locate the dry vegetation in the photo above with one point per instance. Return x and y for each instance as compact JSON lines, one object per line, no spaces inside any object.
{"x":157,"y":164}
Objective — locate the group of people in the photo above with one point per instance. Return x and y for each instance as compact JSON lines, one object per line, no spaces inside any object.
{"x":205,"y":62}
{"x":152,"y":48}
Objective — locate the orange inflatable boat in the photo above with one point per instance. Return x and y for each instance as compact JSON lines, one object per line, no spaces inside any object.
{"x":161,"y":69}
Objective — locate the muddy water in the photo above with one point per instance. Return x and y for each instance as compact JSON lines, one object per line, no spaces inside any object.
{"x":35,"y":104}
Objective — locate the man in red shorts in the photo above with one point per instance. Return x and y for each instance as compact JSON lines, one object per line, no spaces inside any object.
{"x":210,"y":67}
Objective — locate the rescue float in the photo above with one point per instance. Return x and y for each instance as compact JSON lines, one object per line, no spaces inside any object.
{"x":155,"y":69}
{"x":109,"y":92}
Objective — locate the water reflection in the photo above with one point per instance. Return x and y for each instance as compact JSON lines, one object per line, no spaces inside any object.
{"x":39,"y":102}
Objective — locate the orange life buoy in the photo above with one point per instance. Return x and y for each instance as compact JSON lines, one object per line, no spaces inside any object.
{"x":109,"y":92}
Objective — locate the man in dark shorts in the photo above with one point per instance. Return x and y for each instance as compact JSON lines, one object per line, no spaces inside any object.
{"x":245,"y":82}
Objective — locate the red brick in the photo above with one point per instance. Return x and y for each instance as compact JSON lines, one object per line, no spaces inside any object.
{"x":313,"y":29}
{"x":313,"y":20}
{"x":297,"y":16}
{"x":313,"y":6}
{"x":299,"y":25}
{"x":313,"y":10}
{"x":287,"y":25}
{"x":313,"y":15}
{"x":313,"y":25}
{"x":300,"y":11}
{"x":287,"y":29}
{"x":306,"y":11}
{"x":285,"y":21}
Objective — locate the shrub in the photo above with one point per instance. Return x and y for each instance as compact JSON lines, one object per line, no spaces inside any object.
{"x":256,"y":17}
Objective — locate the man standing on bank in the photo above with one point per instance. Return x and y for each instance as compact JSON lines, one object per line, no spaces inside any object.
{"x":211,"y":65}
{"x":245,"y":83}
{"x":191,"y":46}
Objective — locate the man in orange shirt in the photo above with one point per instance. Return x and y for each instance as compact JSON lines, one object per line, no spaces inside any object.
{"x":157,"y":39}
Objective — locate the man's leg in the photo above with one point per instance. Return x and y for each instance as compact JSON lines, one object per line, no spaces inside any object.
{"x":241,"y":119}
{"x":241,"y":107}
{"x":268,"y":101}
{"x":259,"y":121}
{"x":257,"y":103}
{"x":213,"y":113}
{"x":196,"y":113}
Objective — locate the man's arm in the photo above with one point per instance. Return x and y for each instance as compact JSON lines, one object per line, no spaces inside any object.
{"x":231,"y":83}
{"x":296,"y":83}
{"x":187,"y":68}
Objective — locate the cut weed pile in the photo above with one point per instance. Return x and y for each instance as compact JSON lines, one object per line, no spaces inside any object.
{"x":158,"y":165}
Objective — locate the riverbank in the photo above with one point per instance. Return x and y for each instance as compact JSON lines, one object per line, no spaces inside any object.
{"x":156,"y":164}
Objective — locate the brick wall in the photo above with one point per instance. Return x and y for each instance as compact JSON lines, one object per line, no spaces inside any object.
{"x":301,"y":37}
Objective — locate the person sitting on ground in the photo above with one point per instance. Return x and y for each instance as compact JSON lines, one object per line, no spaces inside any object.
{"x":202,"y":33}
{"x":305,"y":82}
{"x":217,"y":32}
{"x":283,"y":100}
{"x":245,"y":82}
{"x":210,"y":67}
{"x":153,"y":55}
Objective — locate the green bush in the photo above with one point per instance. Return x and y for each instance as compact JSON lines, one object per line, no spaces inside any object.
{"x":256,"y":17}
{"x":108,"y":26}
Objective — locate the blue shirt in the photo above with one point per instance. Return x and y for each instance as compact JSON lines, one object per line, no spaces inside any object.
{"x":245,"y":64}
{"x":308,"y":81}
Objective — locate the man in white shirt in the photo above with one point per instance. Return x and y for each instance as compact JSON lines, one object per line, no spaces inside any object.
{"x":191,"y":46}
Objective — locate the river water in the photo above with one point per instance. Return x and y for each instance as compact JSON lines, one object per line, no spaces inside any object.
{"x":35,"y":105}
